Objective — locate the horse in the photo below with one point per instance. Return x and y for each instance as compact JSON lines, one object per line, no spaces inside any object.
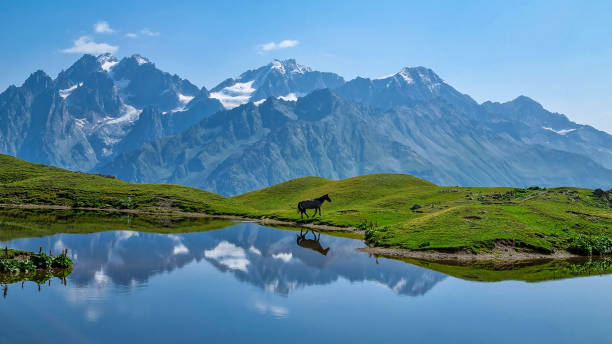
{"x":314,"y":203}
{"x":311,"y":244}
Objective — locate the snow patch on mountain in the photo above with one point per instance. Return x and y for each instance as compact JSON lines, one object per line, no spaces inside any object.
{"x":140,"y":60}
{"x":384,"y":77}
{"x":291,"y":97}
{"x":235,"y":95}
{"x":289,"y":66}
{"x":107,"y":61}
{"x":67,"y":91}
{"x":183,"y":98}
{"x":128,"y":114}
{"x":406,"y":76}
{"x":560,"y":132}
{"x":108,"y":65}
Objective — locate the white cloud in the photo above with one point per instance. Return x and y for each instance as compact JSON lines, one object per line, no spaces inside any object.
{"x":180,"y":249}
{"x":148,"y":32}
{"x":277,"y":311}
{"x":59,"y":246}
{"x":100,"y":277}
{"x":143,"y":32}
{"x":124,"y":235}
{"x":86,"y":45}
{"x":230,"y":255}
{"x":288,"y":43}
{"x":92,"y":314}
{"x":254,"y":249}
{"x":285,"y":257}
{"x":103,"y":27}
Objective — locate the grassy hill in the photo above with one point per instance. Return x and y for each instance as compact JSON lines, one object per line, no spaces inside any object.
{"x":22,"y":182}
{"x":450,"y":218}
{"x":472,"y":219}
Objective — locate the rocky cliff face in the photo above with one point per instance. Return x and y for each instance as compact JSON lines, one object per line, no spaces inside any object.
{"x":91,"y":111}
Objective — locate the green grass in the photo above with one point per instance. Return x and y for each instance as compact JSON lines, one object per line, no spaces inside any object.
{"x":475,"y":219}
{"x":451,"y":218}
{"x":22,"y":182}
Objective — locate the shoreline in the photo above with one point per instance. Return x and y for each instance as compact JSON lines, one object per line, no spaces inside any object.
{"x":499,"y":253}
{"x":503,"y":255}
{"x":263,"y":220}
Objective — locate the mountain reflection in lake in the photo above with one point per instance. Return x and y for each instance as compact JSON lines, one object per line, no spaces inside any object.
{"x":264,"y":257}
{"x":249,"y":283}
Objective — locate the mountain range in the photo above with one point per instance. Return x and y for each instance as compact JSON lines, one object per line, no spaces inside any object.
{"x":284,"y":120}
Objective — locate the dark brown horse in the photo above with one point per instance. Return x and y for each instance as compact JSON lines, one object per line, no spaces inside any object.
{"x":314,"y":203}
{"x":311,"y":244}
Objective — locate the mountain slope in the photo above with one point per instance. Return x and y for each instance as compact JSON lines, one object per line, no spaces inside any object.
{"x":527,"y":121}
{"x":322,"y":134}
{"x":127,"y":118}
{"x":86,"y":115}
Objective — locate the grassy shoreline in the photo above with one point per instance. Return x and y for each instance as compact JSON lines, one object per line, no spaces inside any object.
{"x":473,"y":222}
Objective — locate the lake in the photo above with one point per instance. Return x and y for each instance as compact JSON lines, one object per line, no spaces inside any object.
{"x":243,"y":282}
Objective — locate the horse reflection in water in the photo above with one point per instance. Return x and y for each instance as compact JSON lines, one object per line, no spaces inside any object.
{"x":311,"y":244}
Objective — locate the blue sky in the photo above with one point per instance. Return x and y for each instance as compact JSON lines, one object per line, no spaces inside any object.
{"x":557,"y":52}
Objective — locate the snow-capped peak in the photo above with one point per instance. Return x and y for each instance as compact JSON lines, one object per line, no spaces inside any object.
{"x":405,"y":74}
{"x":140,"y":60}
{"x":289,"y":66}
{"x":107,"y":61}
{"x":235,"y":95}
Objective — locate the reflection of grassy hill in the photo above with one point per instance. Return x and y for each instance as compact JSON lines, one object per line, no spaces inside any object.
{"x":450,"y":218}
{"x":18,"y":223}
{"x":521,"y":271}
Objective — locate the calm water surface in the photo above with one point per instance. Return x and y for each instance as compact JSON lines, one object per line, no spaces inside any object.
{"x":249,"y":283}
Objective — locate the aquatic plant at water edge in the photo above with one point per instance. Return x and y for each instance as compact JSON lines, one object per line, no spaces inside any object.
{"x":590,"y":245}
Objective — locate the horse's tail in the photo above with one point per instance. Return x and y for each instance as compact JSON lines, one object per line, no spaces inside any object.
{"x":299,"y":207}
